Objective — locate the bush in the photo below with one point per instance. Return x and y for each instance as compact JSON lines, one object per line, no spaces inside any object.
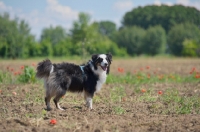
{"x":154,"y":41}
{"x":190,"y":48}
{"x":178,"y":34}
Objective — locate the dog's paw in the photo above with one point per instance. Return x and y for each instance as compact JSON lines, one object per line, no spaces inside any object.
{"x":48,"y":109}
{"x":62,"y":109}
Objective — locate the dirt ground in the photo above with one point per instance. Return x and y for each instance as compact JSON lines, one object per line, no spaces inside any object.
{"x":22,"y":105}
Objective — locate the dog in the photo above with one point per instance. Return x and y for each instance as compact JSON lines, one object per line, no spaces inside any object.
{"x":62,"y":77}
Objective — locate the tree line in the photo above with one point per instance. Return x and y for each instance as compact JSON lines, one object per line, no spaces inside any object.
{"x":149,"y":30}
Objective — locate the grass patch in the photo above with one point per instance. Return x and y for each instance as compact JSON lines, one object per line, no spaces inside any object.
{"x":119,"y":110}
{"x":117,"y":93}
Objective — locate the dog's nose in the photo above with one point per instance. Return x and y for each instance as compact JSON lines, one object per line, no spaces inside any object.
{"x":106,"y":64}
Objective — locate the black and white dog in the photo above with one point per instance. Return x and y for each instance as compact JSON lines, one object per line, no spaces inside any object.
{"x":63,"y":77}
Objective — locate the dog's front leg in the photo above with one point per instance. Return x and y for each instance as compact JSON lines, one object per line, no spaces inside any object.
{"x":89,"y":102}
{"x":88,"y":98}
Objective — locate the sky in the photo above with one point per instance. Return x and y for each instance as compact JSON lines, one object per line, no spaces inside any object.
{"x":40,"y":14}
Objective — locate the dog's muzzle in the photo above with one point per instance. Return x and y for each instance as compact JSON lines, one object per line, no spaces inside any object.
{"x":104,"y":67}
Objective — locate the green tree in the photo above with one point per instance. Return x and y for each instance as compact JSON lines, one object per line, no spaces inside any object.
{"x":15,"y":37}
{"x":107,"y":28}
{"x":64,"y":48}
{"x":53,"y":34}
{"x":166,"y":16}
{"x":131,"y":39}
{"x":154,"y":41}
{"x":178,"y":34}
{"x":46,"y":48}
{"x":79,"y":31}
{"x":35,"y":50}
{"x":87,"y":39}
{"x":25,"y":39}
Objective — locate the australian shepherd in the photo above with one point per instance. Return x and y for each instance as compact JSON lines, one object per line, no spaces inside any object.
{"x":63,"y":77}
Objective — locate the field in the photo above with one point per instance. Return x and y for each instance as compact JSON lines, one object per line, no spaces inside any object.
{"x":141,"y":94}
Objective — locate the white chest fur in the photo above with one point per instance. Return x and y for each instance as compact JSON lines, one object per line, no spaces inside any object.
{"x":101,"y":81}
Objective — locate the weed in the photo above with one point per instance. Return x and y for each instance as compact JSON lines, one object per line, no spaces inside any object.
{"x":96,"y":99}
{"x":118,"y":110}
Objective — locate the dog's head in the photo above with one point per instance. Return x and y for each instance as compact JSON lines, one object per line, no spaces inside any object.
{"x":102,"y":61}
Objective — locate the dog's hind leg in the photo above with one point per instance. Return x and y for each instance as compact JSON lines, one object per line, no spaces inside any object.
{"x":57,"y":98}
{"x":47,"y":101}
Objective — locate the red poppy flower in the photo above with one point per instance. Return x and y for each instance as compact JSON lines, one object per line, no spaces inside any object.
{"x":15,"y":73}
{"x":53,"y":121}
{"x":160,"y":92}
{"x":121,"y":70}
{"x":192,"y":70}
{"x":143,"y":90}
{"x":197,"y":76}
{"x":147,"y":67}
{"x":22,"y":67}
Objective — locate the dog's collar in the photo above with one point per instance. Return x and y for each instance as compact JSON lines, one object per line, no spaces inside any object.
{"x":82,"y":69}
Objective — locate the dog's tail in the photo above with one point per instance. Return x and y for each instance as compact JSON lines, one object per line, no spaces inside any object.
{"x":44,"y":68}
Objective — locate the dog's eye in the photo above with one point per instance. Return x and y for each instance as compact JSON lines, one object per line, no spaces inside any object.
{"x":100,"y":60}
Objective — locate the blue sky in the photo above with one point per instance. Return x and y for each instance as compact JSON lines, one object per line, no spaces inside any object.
{"x":43,"y":13}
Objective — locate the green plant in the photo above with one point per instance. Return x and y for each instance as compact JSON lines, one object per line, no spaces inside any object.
{"x":28,"y":75}
{"x":5,"y":77}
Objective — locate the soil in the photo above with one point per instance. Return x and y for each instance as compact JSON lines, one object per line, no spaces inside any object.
{"x":22,"y":106}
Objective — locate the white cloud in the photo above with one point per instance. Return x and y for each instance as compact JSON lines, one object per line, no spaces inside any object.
{"x":123,"y":5}
{"x":55,"y":14}
{"x":183,"y":2}
{"x":169,"y":4}
{"x":157,"y":2}
{"x":64,"y":12}
{"x":3,"y":7}
{"x":194,"y":3}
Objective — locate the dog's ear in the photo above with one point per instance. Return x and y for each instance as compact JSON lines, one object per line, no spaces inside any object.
{"x":109,"y":57}
{"x":94,"y":57}
{"x":95,"y":60}
{"x":108,"y":70}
